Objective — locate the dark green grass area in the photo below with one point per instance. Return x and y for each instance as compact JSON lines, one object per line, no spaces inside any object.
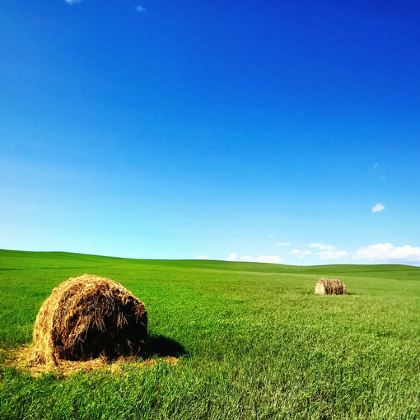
{"x":258,"y":343}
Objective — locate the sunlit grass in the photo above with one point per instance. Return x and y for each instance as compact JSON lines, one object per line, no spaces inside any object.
{"x":258,"y":342}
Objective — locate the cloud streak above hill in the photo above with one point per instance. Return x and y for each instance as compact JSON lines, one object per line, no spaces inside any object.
{"x":387,"y":252}
{"x":272,"y":259}
{"x":327,"y":251}
{"x":380,"y":252}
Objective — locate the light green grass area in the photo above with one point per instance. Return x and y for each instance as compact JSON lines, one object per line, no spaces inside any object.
{"x":258,"y":343}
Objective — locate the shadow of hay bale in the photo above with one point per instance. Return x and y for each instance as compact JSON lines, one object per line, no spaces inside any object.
{"x":161,"y":346}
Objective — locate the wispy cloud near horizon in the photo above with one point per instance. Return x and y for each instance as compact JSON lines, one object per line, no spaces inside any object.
{"x":327,"y":251}
{"x":381,"y":252}
{"x":387,"y":252}
{"x":272,"y":259}
{"x":301,"y":253}
{"x":320,"y":250}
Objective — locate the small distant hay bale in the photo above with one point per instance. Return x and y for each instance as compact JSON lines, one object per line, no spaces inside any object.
{"x":330,"y":287}
{"x":88,"y":317}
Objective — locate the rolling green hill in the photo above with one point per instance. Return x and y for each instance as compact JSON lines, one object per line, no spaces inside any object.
{"x":257,"y":343}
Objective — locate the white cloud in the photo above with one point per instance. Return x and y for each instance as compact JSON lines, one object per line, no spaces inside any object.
{"x":327,"y":251}
{"x":381,"y":252}
{"x":387,"y":252}
{"x":377,"y":208}
{"x":301,"y":253}
{"x":140,"y":9}
{"x":202,"y":257}
{"x":283,"y":243}
{"x":273,"y":259}
{"x":73,"y":1}
{"x":332,"y":254}
{"x":379,"y":172}
{"x":321,"y":246}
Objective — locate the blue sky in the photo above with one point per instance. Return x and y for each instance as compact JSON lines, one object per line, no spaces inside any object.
{"x":250,"y":130}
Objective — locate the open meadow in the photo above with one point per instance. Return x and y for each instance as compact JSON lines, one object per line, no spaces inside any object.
{"x":252,"y":341}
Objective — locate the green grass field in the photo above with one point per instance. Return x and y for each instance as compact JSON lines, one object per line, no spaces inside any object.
{"x":257,"y":343}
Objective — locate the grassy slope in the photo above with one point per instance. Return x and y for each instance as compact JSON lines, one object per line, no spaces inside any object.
{"x":259,"y":343}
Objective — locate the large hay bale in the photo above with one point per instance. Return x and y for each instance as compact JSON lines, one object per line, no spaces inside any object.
{"x":86,"y":317}
{"x":330,"y":287}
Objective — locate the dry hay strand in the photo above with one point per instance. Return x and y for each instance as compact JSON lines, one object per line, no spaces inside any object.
{"x":330,"y":287}
{"x":22,"y":359}
{"x":88,"y":317}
